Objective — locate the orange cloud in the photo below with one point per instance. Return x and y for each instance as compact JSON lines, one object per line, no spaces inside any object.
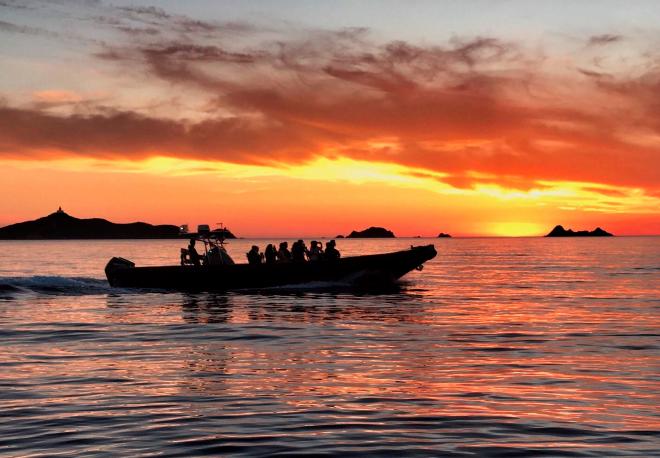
{"x":477,"y":114}
{"x":467,"y":106}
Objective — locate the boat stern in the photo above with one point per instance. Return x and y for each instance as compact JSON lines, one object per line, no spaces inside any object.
{"x":115,"y":265}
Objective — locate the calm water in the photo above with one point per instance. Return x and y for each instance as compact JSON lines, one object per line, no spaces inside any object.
{"x":500,"y":347}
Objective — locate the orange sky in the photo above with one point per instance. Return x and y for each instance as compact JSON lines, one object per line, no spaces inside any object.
{"x":296,"y":129}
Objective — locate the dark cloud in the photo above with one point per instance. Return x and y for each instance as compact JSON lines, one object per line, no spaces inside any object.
{"x":14,"y":5}
{"x":126,"y":135}
{"x":27,"y":30}
{"x":593,"y":74}
{"x":197,"y":53}
{"x":605,"y":39}
{"x":175,"y":23}
{"x":152,"y":12}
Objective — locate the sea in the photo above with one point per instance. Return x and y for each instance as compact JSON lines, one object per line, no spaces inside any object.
{"x":500,"y":347}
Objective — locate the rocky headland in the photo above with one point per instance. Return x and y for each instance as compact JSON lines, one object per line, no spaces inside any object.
{"x":60,"y":225}
{"x":559,"y":231}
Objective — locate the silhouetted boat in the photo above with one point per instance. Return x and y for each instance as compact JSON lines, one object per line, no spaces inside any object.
{"x":369,"y":270}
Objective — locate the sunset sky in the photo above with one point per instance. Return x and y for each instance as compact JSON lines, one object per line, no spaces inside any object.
{"x":301,"y":117}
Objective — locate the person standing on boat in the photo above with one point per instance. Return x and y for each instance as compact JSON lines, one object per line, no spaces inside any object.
{"x":214,"y":257}
{"x":331,"y":251}
{"x":284,"y":255}
{"x":192,"y":253}
{"x":254,"y":257}
{"x":271,"y":254}
{"x":315,"y":251}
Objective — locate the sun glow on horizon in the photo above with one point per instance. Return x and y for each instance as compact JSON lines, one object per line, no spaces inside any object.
{"x":516,"y":229}
{"x":347,"y":176}
{"x":569,"y":194}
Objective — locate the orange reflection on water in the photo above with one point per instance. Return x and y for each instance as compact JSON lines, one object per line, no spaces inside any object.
{"x":518,"y":344}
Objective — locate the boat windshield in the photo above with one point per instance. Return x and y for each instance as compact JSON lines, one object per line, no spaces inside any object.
{"x":214,"y":249}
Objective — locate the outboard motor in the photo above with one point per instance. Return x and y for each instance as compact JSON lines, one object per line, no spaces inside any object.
{"x":116,"y":264}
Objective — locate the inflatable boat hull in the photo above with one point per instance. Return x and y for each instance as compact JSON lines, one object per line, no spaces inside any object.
{"x":368,"y":270}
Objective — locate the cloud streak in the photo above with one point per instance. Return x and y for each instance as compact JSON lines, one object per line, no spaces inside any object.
{"x":604,"y":39}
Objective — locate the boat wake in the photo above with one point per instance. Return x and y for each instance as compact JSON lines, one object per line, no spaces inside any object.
{"x":68,"y":286}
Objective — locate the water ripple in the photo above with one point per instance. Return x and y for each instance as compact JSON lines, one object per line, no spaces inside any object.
{"x":518,"y":347}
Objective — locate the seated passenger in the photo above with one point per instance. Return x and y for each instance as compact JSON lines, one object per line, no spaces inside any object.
{"x":283,"y":254}
{"x":299,"y":251}
{"x":271,"y":254}
{"x":254,"y":257}
{"x":330,"y":251}
{"x":315,"y":251}
{"x":192,"y":253}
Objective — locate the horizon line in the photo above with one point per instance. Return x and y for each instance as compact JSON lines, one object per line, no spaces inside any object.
{"x":60,"y":210}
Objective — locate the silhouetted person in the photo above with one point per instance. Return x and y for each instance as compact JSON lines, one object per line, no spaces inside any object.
{"x":192,"y":253}
{"x":213,"y":256}
{"x":330,"y":251}
{"x":254,"y":257}
{"x":315,"y":251}
{"x":283,"y":254}
{"x":298,"y":251}
{"x":271,"y":254}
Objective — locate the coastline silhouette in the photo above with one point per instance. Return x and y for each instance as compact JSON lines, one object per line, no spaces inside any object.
{"x":61,"y":225}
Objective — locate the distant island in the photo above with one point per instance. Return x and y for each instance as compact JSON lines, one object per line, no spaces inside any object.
{"x":442,"y":235}
{"x":559,"y":231}
{"x":60,"y":225}
{"x":371,"y":233}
